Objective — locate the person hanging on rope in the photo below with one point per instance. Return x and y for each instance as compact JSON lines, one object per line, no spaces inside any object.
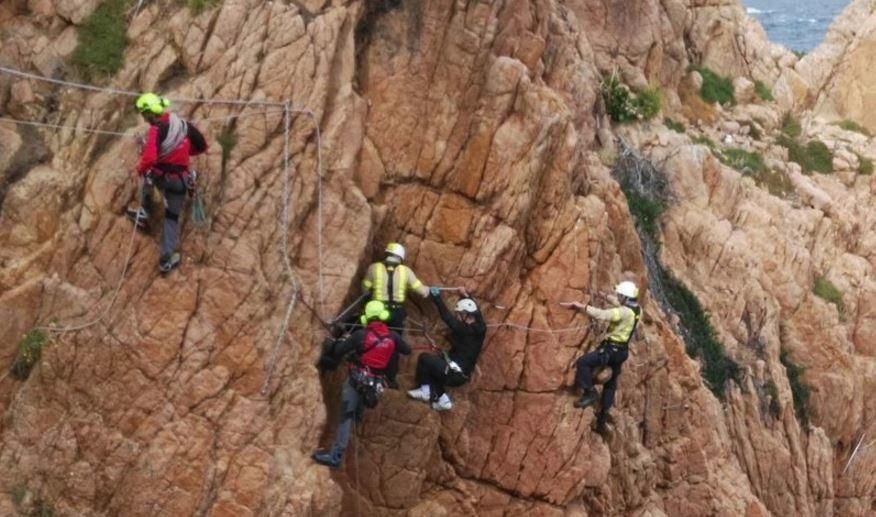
{"x":164,"y":164}
{"x":372,"y":347}
{"x":454,"y":367}
{"x":389,"y":281}
{"x":613,"y":351}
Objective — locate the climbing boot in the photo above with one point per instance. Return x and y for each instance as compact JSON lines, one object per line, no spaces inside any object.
{"x":601,"y":428}
{"x":165,"y":264}
{"x":587,"y":398}
{"x":329,"y":459}
{"x":140,"y":217}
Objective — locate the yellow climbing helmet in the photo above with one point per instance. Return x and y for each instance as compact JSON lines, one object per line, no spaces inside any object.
{"x":151,"y":103}
{"x":374,"y":310}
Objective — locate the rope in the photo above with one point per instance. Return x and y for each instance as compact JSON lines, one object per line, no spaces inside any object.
{"x":28,"y":122}
{"x":287,"y":263}
{"x":60,"y":126}
{"x":128,"y":93}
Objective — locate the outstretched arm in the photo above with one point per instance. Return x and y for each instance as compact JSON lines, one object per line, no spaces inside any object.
{"x":443,"y":311}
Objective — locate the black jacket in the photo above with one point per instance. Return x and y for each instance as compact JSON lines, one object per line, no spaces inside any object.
{"x":466,"y":340}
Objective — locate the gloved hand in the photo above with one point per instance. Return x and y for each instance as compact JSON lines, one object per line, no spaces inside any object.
{"x":435,"y":292}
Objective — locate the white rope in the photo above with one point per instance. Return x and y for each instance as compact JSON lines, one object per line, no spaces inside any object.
{"x":287,"y":263}
{"x":116,"y":91}
{"x":854,"y":453}
{"x":61,"y":126}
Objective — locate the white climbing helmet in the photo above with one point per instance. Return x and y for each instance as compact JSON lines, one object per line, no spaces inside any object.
{"x":396,"y":249}
{"x":627,"y":289}
{"x":466,"y":305}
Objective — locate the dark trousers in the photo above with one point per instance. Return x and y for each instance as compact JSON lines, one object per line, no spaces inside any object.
{"x":396,"y":322}
{"x":351,"y":407}
{"x":606,"y":355}
{"x":433,"y":370}
{"x":173,"y":188}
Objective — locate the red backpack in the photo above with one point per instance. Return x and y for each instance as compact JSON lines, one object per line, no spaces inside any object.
{"x":378,"y":346}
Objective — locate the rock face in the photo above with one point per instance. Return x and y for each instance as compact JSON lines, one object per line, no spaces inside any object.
{"x":467,"y":131}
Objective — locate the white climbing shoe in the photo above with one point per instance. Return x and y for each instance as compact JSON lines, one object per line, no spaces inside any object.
{"x":422,"y":393}
{"x":443,"y":404}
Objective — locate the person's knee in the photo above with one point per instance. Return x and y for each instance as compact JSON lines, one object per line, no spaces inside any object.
{"x":171,"y":216}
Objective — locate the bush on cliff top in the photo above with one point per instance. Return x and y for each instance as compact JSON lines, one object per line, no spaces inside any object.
{"x":102,"y":41}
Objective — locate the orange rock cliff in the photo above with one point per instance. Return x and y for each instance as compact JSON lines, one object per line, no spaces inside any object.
{"x":482,"y":136}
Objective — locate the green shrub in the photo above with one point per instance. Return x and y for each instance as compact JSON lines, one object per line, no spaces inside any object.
{"x":227,"y":141}
{"x":812,"y":157}
{"x":791,"y":126}
{"x":763,"y":91}
{"x":851,"y":125}
{"x":704,"y":140}
{"x":700,"y":337}
{"x":199,"y":6}
{"x":624,"y":106}
{"x":865,"y":165}
{"x":775,"y":182}
{"x":715,"y":89}
{"x":825,"y":290}
{"x":645,"y":211}
{"x":102,"y":40}
{"x":799,"y":53}
{"x":649,"y":101}
{"x":799,"y":389}
{"x":678,"y":127}
{"x":742,"y":160}
{"x":30,"y":349}
{"x":819,"y":158}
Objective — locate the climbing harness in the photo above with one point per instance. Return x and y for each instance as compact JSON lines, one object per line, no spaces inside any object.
{"x":369,"y":385}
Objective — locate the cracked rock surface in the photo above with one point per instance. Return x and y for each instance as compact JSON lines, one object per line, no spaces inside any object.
{"x":473,"y":133}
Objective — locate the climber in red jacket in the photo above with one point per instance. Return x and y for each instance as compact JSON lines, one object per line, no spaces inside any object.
{"x":374,"y":345}
{"x":164,"y":164}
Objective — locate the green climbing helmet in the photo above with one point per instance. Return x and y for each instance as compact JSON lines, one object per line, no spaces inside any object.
{"x":374,"y":310}
{"x":151,"y":103}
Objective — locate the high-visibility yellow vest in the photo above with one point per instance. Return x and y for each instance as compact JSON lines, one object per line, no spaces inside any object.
{"x":623,"y":322}
{"x":377,"y":281}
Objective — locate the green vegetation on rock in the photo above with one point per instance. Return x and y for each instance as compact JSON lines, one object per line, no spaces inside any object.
{"x":678,"y":127}
{"x":799,"y":389}
{"x":715,"y":88}
{"x":30,"y":349}
{"x":763,"y":91}
{"x":102,"y":41}
{"x":622,"y":105}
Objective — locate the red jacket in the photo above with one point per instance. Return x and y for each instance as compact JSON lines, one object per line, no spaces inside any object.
{"x":179,"y":157}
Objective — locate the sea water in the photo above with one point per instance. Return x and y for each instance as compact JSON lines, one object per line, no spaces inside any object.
{"x":796,"y":24}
